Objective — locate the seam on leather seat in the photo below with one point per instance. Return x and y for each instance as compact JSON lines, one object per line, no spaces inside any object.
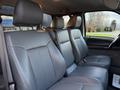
{"x":65,"y":42}
{"x":51,"y":59}
{"x":32,"y":70}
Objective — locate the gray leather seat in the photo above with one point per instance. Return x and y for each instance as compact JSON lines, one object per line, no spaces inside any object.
{"x":35,"y":61}
{"x":77,"y":83}
{"x":2,"y":84}
{"x":65,"y":47}
{"x":80,"y":46}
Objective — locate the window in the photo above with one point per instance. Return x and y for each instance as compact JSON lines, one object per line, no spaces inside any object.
{"x":7,"y":23}
{"x":104,"y":24}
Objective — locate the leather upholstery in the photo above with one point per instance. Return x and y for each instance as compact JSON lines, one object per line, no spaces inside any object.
{"x":81,"y":48}
{"x":79,"y":21}
{"x":65,"y":46}
{"x":79,"y":43}
{"x":37,"y":64}
{"x":23,"y":15}
{"x":77,"y":83}
{"x":98,"y":60}
{"x":67,"y":52}
{"x":92,"y":72}
{"x":47,"y":19}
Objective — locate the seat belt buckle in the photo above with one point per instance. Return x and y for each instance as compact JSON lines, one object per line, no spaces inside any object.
{"x":84,"y":61}
{"x":12,"y":86}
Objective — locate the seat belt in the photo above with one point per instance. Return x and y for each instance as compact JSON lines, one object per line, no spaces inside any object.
{"x":54,"y":38}
{"x":7,"y":74}
{"x":52,"y":32}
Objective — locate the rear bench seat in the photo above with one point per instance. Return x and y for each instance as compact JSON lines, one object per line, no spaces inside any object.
{"x":35,"y":61}
{"x":64,"y":44}
{"x":80,"y":46}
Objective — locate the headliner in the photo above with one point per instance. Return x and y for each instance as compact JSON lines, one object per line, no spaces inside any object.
{"x":60,"y":7}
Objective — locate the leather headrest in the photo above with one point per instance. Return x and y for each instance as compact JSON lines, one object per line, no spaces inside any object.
{"x":58,"y":22}
{"x":78,"y":22}
{"x":74,"y":22}
{"x":47,"y":19}
{"x":0,"y":20}
{"x":27,"y":13}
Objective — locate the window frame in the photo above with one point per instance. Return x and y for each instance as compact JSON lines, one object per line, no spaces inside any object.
{"x":84,"y":23}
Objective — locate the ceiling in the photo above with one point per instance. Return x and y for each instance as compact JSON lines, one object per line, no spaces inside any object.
{"x":58,"y":7}
{"x":70,"y":6}
{"x":7,"y":2}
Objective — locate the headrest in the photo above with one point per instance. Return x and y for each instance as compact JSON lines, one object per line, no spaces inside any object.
{"x":27,"y":13}
{"x":78,"y":22}
{"x":47,"y":19}
{"x":58,"y":22}
{"x":0,"y":20}
{"x":74,"y":22}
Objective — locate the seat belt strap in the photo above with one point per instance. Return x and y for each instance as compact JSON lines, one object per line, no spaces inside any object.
{"x":7,"y":74}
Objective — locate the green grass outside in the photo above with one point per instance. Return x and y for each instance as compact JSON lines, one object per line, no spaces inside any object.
{"x":103,"y":34}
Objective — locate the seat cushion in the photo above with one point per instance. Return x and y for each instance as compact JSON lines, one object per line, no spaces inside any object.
{"x":98,"y":60}
{"x":100,"y":74}
{"x":77,"y":83}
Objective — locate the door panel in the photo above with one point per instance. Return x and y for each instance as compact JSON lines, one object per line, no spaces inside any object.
{"x":100,"y":47}
{"x":98,"y":43}
{"x":102,"y":31}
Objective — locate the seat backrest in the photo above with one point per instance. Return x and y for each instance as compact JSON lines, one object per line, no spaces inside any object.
{"x":78,"y":42}
{"x":35,"y":61}
{"x":0,"y":28}
{"x":63,"y":41}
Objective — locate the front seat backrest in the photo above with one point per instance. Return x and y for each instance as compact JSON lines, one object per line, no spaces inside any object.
{"x":77,"y":39}
{"x":35,"y":61}
{"x":63,"y":40}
